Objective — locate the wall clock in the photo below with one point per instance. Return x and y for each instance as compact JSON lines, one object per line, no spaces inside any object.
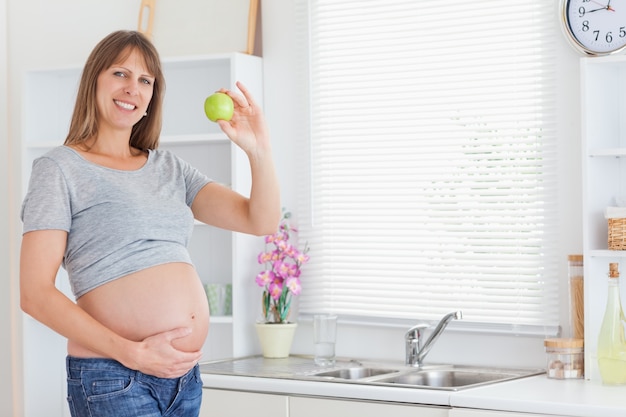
{"x":595,"y":27}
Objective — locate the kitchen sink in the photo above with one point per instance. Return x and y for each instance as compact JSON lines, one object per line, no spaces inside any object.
{"x":445,"y":377}
{"x":355,"y":373}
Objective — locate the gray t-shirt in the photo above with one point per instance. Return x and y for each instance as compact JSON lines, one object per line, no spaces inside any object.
{"x":118,"y":222}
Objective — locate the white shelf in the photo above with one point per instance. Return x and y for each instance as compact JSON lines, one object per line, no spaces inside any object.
{"x":613,"y":152}
{"x":195,"y":139}
{"x":605,"y":253}
{"x":603,"y":101}
{"x":221,"y":319}
{"x":44,"y":145}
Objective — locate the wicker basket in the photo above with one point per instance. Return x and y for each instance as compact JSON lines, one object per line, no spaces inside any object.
{"x":617,"y":234}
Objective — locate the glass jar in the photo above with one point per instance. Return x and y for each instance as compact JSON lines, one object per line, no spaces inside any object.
{"x":565,"y":358}
{"x":576,"y":296}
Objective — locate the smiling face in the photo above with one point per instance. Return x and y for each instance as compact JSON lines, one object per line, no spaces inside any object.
{"x":123,"y":92}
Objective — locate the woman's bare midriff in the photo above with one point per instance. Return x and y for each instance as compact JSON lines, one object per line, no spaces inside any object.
{"x":148,"y":302}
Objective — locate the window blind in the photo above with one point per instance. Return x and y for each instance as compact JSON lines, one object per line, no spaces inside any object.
{"x":430,"y":167}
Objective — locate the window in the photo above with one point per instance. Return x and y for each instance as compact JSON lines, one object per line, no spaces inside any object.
{"x":431,"y":171}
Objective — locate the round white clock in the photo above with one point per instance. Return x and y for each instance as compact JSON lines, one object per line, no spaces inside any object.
{"x":595,"y":27}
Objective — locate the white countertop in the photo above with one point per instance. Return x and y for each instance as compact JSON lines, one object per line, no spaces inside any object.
{"x":539,"y":394}
{"x":536,"y":394}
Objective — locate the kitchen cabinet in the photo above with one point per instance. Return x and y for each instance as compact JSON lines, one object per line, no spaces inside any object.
{"x":603,"y":100}
{"x":315,"y":407}
{"x":226,"y":403}
{"x":466,"y":412}
{"x":219,"y":256}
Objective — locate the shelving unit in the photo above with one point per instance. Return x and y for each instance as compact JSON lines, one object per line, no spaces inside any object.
{"x":219,"y":256}
{"x":603,"y":98}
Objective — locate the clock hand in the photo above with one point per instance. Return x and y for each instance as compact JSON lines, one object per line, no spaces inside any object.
{"x":607,"y":7}
{"x":601,"y":8}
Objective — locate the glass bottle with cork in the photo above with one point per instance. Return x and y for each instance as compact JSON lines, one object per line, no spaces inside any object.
{"x":611,"y":343}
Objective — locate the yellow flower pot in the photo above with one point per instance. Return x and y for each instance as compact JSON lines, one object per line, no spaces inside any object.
{"x":276,"y":338}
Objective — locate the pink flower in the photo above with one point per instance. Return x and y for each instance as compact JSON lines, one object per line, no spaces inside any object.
{"x":283,"y":246}
{"x":270,"y":238}
{"x":293,"y":283}
{"x":263,"y":278}
{"x":286,"y":269}
{"x":280,"y":278}
{"x":291,"y":251}
{"x":301,"y":258}
{"x":265,"y":257}
{"x":276,"y":288}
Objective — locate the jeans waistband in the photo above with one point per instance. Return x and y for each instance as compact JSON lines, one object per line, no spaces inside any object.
{"x":76,"y":365}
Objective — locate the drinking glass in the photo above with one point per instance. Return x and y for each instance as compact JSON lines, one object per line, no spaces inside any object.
{"x":324,"y":337}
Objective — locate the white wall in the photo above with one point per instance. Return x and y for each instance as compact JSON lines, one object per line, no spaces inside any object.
{"x":57,"y":33}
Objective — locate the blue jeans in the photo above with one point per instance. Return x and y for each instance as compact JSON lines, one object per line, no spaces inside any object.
{"x":106,"y":388}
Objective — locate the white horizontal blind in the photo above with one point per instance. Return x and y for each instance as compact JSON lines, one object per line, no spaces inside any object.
{"x":432,"y":160}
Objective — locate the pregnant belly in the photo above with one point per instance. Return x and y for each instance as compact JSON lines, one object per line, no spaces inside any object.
{"x":148,"y":302}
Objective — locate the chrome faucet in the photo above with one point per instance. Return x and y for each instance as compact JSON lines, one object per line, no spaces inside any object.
{"x":416,"y":350}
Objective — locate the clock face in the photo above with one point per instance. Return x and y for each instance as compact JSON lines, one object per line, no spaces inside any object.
{"x":597,"y":27}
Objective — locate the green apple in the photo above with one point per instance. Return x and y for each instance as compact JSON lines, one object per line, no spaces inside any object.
{"x":219,"y":106}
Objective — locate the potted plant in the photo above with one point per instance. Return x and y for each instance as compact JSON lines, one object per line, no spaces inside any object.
{"x":280,"y":281}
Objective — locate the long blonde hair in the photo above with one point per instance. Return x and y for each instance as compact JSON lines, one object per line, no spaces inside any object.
{"x":113,"y":49}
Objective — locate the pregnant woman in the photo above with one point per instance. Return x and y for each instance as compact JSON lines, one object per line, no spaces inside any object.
{"x":117,"y":213}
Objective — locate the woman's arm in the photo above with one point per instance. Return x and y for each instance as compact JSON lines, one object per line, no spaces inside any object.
{"x":221,"y":207}
{"x":40,"y":259}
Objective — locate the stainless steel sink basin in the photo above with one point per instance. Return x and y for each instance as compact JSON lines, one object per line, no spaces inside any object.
{"x":446,"y":378}
{"x":355,"y":373}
